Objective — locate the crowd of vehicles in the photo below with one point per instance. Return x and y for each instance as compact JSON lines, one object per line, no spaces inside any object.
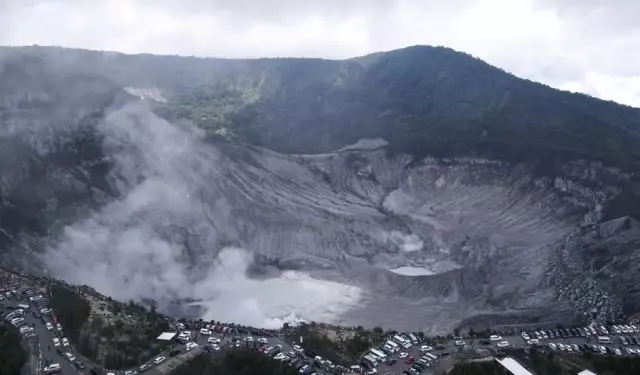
{"x":597,"y":339}
{"x":38,"y":307}
{"x":397,"y":346}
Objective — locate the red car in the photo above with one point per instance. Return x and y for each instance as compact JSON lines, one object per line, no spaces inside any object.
{"x":410,"y":360}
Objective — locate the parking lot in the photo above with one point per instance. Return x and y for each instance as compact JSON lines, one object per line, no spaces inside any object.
{"x":26,"y":309}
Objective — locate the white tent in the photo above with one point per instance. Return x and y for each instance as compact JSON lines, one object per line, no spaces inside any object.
{"x":167,"y":336}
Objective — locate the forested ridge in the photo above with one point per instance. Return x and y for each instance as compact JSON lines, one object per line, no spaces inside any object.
{"x":423,"y":100}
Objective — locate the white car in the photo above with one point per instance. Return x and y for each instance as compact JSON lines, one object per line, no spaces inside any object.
{"x":426,"y":348}
{"x":553,"y":346}
{"x":70,"y":356}
{"x":279,"y":356}
{"x":158,"y":360}
{"x":533,"y":342}
{"x":49,"y":326}
{"x":249,"y":338}
{"x":59,"y":327}
{"x":263,"y":340}
{"x":205,"y":332}
{"x":17,"y":320}
{"x":56,"y":342}
{"x":54,"y":367}
{"x":237,"y":344}
{"x":495,"y":338}
{"x":298,"y":348}
{"x":213,"y":340}
{"x":372,"y":371}
{"x":303,"y":369}
{"x":602,"y":349}
{"x":191,"y":345}
{"x":617,"y":351}
{"x":65,"y":342}
{"x":403,"y":355}
{"x":503,"y":344}
{"x":459,"y":343}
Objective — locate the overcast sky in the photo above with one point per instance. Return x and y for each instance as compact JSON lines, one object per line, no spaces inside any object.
{"x":590,"y":46}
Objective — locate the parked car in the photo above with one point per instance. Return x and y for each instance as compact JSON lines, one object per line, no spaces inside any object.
{"x":158,"y":360}
{"x":52,"y":368}
{"x":391,"y":361}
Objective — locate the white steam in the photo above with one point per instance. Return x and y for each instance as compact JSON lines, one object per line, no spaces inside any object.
{"x":406,"y":242}
{"x":271,"y":302}
{"x":161,"y":240}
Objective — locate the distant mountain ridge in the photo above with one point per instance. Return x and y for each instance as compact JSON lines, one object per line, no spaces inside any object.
{"x":423,"y":100}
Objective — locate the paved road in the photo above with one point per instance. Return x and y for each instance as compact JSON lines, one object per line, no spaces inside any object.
{"x":44,"y":337}
{"x":51,"y":355}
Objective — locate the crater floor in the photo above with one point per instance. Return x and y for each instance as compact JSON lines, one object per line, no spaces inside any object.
{"x":337,"y":237}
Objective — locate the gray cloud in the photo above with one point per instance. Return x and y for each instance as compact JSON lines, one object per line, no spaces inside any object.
{"x":591,"y":45}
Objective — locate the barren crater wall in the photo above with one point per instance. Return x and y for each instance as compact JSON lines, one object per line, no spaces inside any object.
{"x":483,"y":231}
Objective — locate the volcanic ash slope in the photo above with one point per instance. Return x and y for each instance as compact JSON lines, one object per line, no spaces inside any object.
{"x":480,"y":231}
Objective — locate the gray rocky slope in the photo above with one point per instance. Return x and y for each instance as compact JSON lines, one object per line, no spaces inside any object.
{"x":96,"y":189}
{"x":140,"y":208}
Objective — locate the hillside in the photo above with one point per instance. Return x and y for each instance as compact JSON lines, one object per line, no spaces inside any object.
{"x":423,"y":100}
{"x":304,"y":188}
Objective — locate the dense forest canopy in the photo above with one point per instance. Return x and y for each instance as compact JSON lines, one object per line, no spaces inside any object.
{"x":237,"y":362}
{"x":423,"y":100}
{"x":12,"y":356}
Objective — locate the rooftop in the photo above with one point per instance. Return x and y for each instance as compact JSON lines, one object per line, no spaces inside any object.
{"x":166,"y":336}
{"x":513,"y":366}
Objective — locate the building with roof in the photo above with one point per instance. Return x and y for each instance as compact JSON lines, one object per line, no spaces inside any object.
{"x":510,"y":366}
{"x":166,"y":336}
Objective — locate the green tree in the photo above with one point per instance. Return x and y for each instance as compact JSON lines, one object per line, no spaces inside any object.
{"x":71,"y":309}
{"x":236,"y":362}
{"x":12,"y":356}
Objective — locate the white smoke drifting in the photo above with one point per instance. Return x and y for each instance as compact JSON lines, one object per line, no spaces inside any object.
{"x":162,"y":240}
